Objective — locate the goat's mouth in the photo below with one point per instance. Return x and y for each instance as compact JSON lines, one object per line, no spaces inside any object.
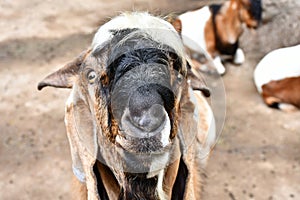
{"x":153,"y":139}
{"x":142,"y":145}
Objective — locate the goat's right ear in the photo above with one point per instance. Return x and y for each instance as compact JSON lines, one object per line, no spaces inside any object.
{"x":64,"y":77}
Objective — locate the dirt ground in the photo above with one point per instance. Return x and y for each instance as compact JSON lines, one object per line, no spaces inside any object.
{"x":257,"y":155}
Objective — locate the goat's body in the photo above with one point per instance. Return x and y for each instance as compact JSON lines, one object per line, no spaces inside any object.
{"x":198,"y":34}
{"x":277,"y":65}
{"x":277,"y":77}
{"x":192,"y":31}
{"x":216,"y":29}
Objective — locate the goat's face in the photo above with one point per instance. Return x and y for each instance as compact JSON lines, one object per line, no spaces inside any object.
{"x":132,"y":79}
{"x":127,"y":91}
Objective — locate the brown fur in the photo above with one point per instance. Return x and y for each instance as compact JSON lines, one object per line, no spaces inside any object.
{"x":170,"y":176}
{"x":225,"y":29}
{"x":109,"y":181}
{"x":64,"y":77}
{"x":210,"y":38}
{"x":282,"y":91}
{"x":79,"y":190}
{"x":228,"y":22}
{"x":245,"y":15}
{"x":175,"y":22}
{"x":177,"y":25}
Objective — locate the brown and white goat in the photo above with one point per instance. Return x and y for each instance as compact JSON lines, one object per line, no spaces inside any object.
{"x":216,"y":29}
{"x":277,"y":78}
{"x":136,"y":128}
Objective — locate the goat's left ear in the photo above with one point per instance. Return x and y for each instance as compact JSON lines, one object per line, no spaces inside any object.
{"x":64,"y":77}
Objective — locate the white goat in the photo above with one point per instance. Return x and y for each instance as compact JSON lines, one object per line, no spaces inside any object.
{"x":277,"y":78}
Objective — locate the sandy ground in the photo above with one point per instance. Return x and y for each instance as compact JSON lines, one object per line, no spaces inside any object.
{"x":256,"y":157}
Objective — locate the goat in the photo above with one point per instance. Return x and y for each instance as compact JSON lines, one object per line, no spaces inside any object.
{"x":216,"y":29}
{"x":137,"y":123}
{"x":277,"y":78}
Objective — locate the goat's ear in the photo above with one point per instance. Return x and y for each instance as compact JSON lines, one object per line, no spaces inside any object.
{"x":175,"y":21}
{"x":177,"y":25}
{"x":197,"y":82}
{"x":64,"y":77}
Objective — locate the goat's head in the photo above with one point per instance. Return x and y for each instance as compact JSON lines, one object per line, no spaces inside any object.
{"x":127,"y":87}
{"x":126,"y":99}
{"x":251,"y":12}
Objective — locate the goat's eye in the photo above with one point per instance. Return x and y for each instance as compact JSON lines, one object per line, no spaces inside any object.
{"x":91,"y":76}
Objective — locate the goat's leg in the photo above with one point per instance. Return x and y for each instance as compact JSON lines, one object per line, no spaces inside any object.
{"x":219,"y":65}
{"x":239,"y":57}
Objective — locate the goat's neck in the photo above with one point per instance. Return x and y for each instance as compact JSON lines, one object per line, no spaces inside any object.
{"x":124,"y":186}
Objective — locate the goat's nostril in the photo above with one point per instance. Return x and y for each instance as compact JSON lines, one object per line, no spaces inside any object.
{"x":157,"y":111}
{"x":142,"y":121}
{"x":150,"y":119}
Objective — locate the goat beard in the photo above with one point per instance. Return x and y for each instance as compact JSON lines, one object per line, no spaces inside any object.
{"x":138,"y":186}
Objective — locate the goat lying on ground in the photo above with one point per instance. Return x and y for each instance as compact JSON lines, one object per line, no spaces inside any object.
{"x":277,"y":78}
{"x":216,"y":29}
{"x":136,"y":127}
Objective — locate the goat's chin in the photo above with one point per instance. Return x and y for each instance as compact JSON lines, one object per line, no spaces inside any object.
{"x":156,"y":141}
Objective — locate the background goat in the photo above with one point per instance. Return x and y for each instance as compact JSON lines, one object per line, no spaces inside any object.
{"x":136,"y":127}
{"x":277,"y":78}
{"x":216,"y":29}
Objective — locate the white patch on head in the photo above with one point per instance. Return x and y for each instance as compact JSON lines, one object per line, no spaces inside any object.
{"x":193,"y":25}
{"x":153,"y":26}
{"x":276,"y":65}
{"x":231,"y":34}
